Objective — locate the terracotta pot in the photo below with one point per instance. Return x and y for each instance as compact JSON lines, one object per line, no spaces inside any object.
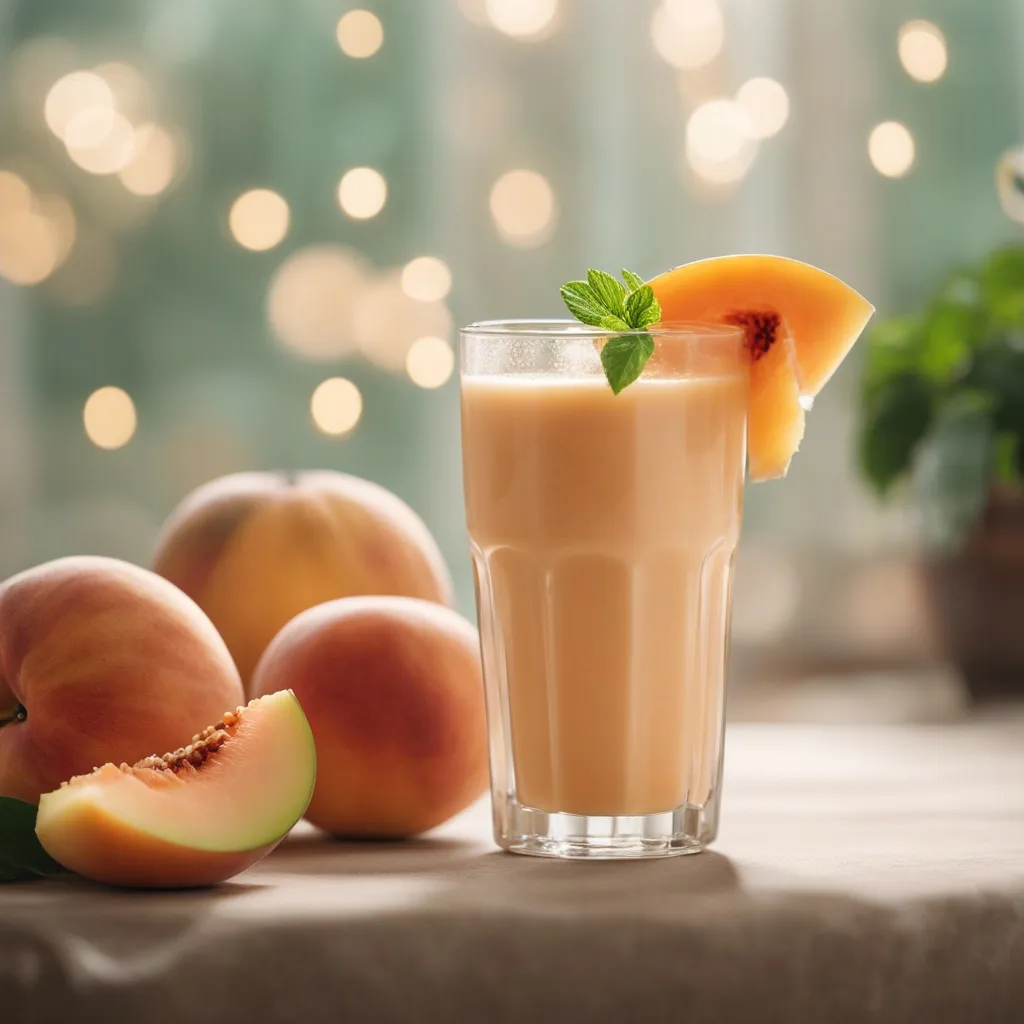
{"x":976,"y":601}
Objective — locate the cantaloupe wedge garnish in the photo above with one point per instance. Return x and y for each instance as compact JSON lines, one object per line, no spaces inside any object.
{"x":192,"y":817}
{"x":800,"y":323}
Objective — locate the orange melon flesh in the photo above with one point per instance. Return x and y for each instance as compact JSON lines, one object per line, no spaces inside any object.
{"x":800,"y":321}
{"x":193,"y":817}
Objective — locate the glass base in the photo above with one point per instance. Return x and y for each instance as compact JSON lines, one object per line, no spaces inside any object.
{"x":537,"y":833}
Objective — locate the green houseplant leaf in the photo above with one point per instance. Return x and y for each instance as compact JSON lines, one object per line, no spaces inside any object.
{"x":895,"y":418}
{"x":952,"y":469}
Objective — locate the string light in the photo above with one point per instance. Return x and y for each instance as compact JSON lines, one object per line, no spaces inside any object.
{"x":523,"y":207}
{"x":430,"y":362}
{"x":362,"y":193}
{"x":688,"y":34}
{"x":426,"y":279}
{"x":109,"y":418}
{"x":922,"y":50}
{"x":891,"y":149}
{"x":720,"y":142}
{"x":522,"y":19}
{"x":336,"y":406}
{"x":152,"y":165}
{"x":360,"y":34}
{"x":311,"y":298}
{"x":259,"y":219}
{"x":766,"y":104}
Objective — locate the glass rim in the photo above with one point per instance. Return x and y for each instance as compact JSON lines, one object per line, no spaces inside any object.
{"x":567,"y":329}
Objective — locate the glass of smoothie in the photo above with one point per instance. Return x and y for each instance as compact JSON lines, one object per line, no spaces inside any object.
{"x":603,"y":530}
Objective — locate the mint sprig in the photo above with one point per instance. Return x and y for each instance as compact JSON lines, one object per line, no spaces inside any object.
{"x":21,"y":854}
{"x":602,"y":301}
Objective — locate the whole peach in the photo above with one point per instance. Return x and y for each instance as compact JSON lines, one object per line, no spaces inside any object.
{"x":393,"y":691}
{"x":101,"y":661}
{"x":255,"y":549}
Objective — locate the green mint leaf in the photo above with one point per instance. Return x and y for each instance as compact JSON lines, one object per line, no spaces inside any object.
{"x":633,"y":281}
{"x":609,"y":292}
{"x":639,"y":306}
{"x":614,"y":323}
{"x":21,"y":854}
{"x":583,"y":302}
{"x":624,"y":359}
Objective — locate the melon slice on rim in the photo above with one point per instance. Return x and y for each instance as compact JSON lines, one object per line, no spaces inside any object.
{"x":192,"y":817}
{"x":800,"y":324}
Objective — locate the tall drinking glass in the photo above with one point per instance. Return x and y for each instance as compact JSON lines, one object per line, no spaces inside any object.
{"x":603,"y":529}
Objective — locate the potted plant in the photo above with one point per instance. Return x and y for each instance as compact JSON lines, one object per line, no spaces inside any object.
{"x":942,"y":409}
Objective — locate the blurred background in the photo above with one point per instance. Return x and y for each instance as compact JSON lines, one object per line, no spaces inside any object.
{"x":240,"y":235}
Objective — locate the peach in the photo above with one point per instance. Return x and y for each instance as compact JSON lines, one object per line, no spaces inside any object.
{"x":393,"y":691}
{"x":255,"y":549}
{"x":101,"y":661}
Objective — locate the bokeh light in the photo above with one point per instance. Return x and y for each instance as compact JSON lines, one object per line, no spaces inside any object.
{"x":109,"y":417}
{"x":362,"y":192}
{"x":891,"y":149}
{"x":259,"y":219}
{"x":427,"y":279}
{"x":360,"y":34}
{"x":336,"y":406}
{"x":73,"y":95}
{"x":130,"y":90}
{"x":310,"y":301}
{"x":766,"y":104}
{"x":720,"y":142}
{"x":100,"y":140}
{"x":475,"y":11}
{"x":922,"y":50}
{"x":688,"y":34}
{"x":36,"y":232}
{"x":523,"y":19}
{"x":153,"y":161}
{"x":430,"y":362}
{"x":386,"y":321}
{"x":523,"y":207}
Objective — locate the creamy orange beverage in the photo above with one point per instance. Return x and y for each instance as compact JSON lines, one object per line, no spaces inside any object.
{"x":603,"y":529}
{"x":604,"y":461}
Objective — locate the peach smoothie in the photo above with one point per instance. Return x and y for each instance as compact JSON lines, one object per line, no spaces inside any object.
{"x":603,"y":529}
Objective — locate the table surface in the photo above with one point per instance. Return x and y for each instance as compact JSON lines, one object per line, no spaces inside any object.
{"x":862,"y":873}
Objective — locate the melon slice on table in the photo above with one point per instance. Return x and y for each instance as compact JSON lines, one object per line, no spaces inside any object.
{"x":800,"y":324}
{"x":193,"y":817}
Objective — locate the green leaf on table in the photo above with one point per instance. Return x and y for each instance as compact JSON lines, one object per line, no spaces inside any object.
{"x":21,"y":855}
{"x":624,"y":359}
{"x":952,"y":467}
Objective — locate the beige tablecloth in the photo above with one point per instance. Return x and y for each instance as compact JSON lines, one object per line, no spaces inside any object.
{"x":863,"y":874}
